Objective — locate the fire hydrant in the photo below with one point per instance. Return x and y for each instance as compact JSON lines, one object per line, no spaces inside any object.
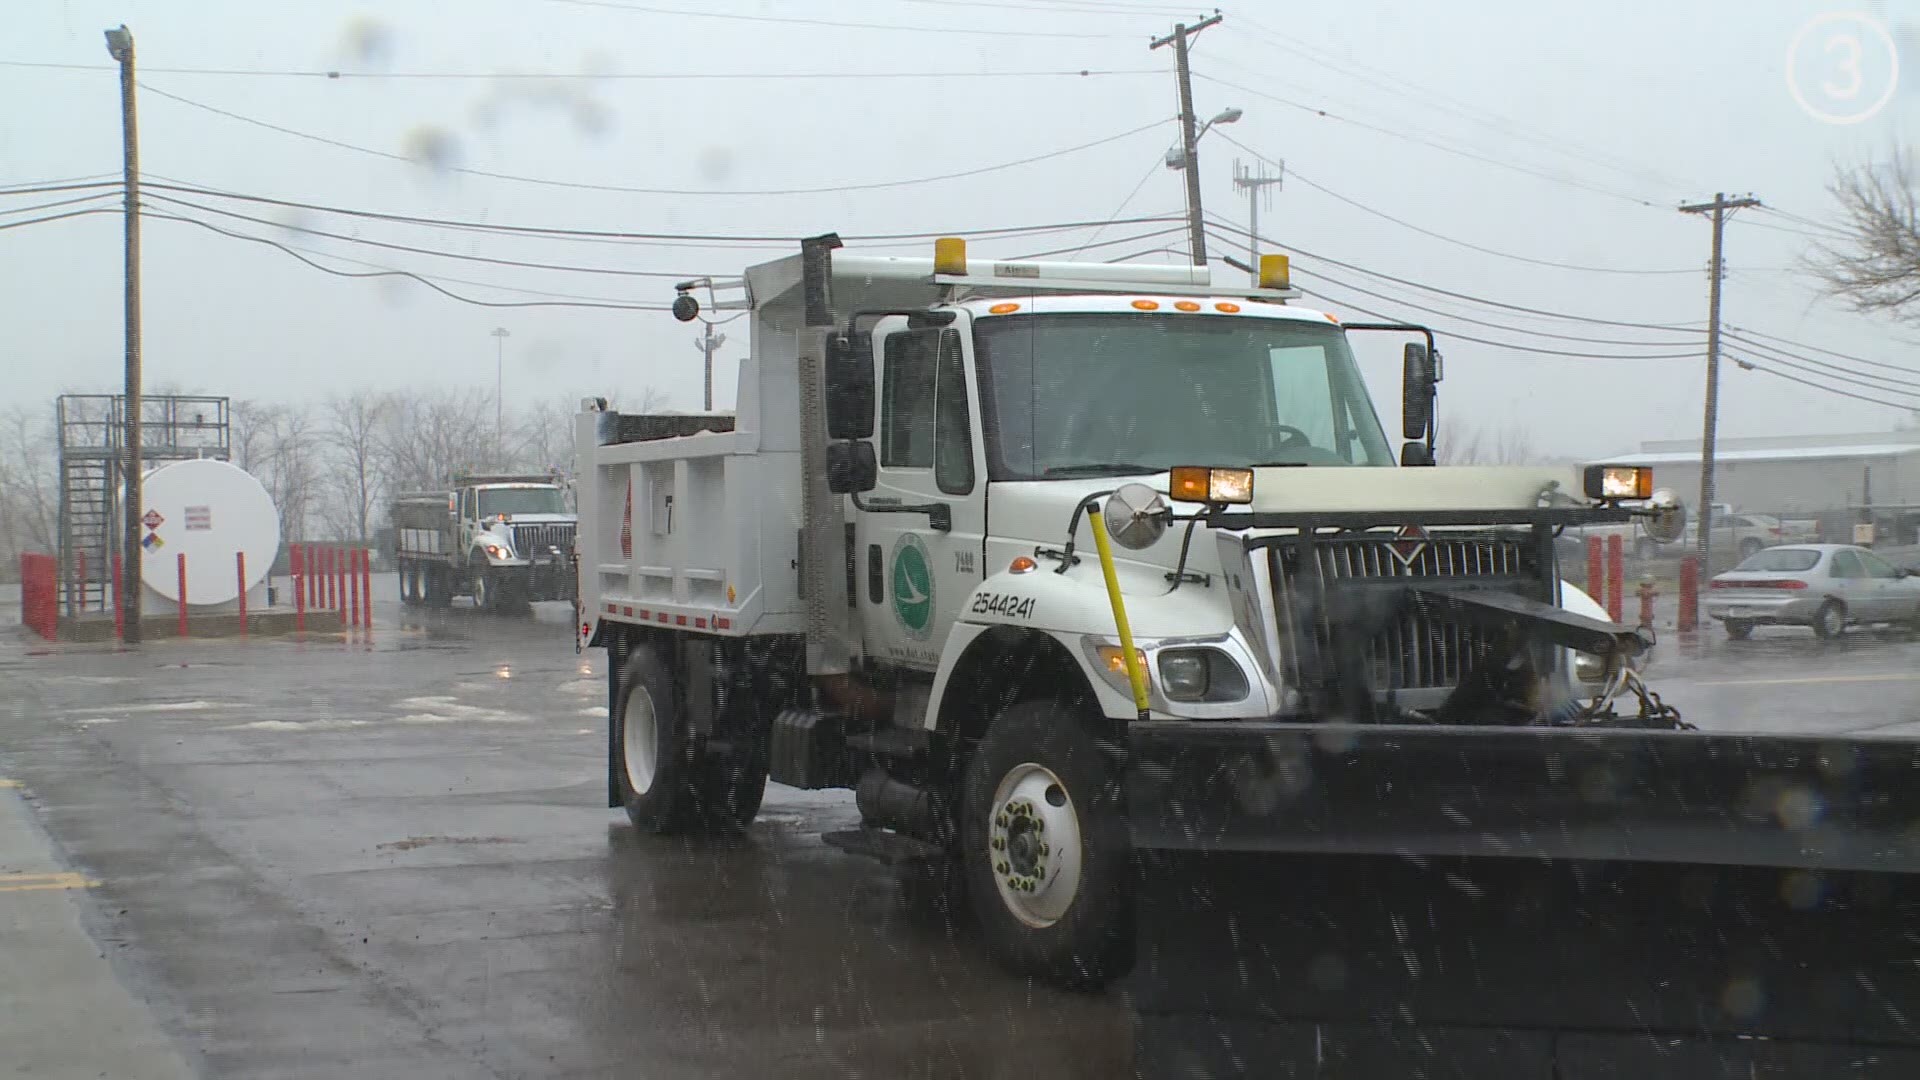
{"x":1647,"y":593}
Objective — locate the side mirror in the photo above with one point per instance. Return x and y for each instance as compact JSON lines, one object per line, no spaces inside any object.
{"x":851,"y":467}
{"x":1415,"y":453}
{"x":850,"y":387}
{"x":1416,"y":391}
{"x":1667,"y":520}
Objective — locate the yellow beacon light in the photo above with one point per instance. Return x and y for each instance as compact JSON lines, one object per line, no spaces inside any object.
{"x":950,"y":256}
{"x":1274,"y":272}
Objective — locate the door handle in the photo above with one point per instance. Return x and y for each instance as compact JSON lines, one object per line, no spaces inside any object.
{"x":939,"y":514}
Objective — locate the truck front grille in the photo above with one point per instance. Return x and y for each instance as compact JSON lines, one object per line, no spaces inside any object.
{"x":1412,"y":652}
{"x":532,"y":540}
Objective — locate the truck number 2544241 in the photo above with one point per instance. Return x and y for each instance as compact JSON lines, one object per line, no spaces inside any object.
{"x":1011,"y":607}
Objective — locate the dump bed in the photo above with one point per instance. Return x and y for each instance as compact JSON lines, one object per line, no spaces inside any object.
{"x":686,"y":520}
{"x":423,"y":523}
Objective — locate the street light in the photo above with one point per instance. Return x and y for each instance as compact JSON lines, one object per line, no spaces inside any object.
{"x":500,"y":336}
{"x":1176,"y":156}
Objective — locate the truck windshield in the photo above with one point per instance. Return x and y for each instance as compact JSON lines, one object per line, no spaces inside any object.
{"x":1091,"y":393}
{"x":528,"y":500}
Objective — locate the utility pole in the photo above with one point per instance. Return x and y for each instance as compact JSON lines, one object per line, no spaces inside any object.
{"x":1189,"y":131}
{"x":708,"y":344}
{"x":120,"y":47}
{"x":1254,"y":182}
{"x":500,"y":336}
{"x":1716,"y":269}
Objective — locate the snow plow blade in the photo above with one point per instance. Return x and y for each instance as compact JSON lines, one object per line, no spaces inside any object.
{"x":1528,"y":903}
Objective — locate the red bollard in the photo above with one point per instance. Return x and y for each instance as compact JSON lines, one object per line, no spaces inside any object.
{"x":298,"y":564}
{"x":310,"y":562}
{"x":119,"y":616}
{"x":1616,"y":577}
{"x":1596,"y":571}
{"x":333,"y":578}
{"x":180,"y":563}
{"x":240,"y":573}
{"x":1689,"y":592}
{"x":1647,"y":593}
{"x":353,"y":586}
{"x":366,"y":589}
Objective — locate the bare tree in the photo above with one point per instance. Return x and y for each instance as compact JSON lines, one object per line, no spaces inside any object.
{"x":1469,"y":444}
{"x":278,"y":444}
{"x":356,"y":474}
{"x":29,"y":485}
{"x":427,"y":437}
{"x":1875,"y":266}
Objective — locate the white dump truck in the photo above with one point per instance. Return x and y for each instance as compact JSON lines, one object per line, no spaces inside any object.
{"x":504,"y":539}
{"x":976,"y":522}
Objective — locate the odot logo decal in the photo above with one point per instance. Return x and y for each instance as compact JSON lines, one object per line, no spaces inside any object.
{"x":913,"y":586}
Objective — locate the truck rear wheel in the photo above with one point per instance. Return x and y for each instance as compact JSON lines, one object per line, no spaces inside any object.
{"x":1044,"y":846}
{"x":667,"y":783}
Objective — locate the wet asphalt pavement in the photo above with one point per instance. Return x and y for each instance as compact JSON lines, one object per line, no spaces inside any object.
{"x":393,"y":858}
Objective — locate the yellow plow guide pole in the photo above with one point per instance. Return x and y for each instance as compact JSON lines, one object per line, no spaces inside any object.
{"x":1136,"y":673}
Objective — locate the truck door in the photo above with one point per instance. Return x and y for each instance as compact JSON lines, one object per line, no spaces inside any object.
{"x":911,"y":576}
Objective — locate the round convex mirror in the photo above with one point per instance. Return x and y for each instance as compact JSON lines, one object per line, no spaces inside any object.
{"x":1669,"y":518}
{"x":1135,"y":516}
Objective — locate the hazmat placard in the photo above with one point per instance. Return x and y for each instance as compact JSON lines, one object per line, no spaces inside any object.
{"x":153,"y":520}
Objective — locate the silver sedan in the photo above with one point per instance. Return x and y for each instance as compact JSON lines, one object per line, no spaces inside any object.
{"x":1825,"y":586}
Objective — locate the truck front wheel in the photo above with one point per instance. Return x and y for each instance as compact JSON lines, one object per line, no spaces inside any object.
{"x":1045,"y":849}
{"x":667,"y":782}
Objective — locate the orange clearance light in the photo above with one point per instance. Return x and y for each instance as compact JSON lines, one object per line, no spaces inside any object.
{"x":1231,"y":309}
{"x":1331,"y":317}
{"x":1022,"y":565}
{"x":1147,"y":305}
{"x":1003,"y":309}
{"x":1188,"y":483}
{"x":1115,"y":660}
{"x":1186,"y":305}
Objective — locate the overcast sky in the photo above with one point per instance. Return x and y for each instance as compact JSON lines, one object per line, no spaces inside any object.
{"x":1559,"y":133}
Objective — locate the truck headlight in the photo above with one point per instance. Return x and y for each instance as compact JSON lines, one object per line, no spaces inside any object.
{"x":496,"y":551}
{"x":1201,"y":675}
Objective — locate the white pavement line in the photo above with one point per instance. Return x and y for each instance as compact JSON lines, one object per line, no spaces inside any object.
{"x":63,"y":1015}
{"x":1815,"y":680}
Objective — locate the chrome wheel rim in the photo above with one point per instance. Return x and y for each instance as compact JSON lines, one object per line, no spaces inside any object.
{"x":639,"y":739}
{"x":1034,"y":845}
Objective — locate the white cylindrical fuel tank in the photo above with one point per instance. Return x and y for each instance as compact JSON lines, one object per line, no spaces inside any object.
{"x":209,"y":511}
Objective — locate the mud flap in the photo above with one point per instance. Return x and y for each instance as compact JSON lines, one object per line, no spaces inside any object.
{"x":1544,"y":904}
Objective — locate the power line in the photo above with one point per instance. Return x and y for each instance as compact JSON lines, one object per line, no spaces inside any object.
{"x":346,"y":238}
{"x":55,"y":203}
{"x":51,"y":186}
{"x":338,"y":75}
{"x":1833,"y":389}
{"x":1433,"y":143}
{"x":1294,"y":173}
{"x":1152,"y":168}
{"x":834,"y":24}
{"x":59,"y":217}
{"x":428,"y":282}
{"x":1115,"y":242}
{"x":1000,"y":232}
{"x":1221,"y":223}
{"x":1740,"y":331}
{"x":1783,"y":356}
{"x":1431,"y":98}
{"x":624,"y":189}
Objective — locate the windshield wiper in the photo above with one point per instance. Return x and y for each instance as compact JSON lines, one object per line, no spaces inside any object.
{"x":1101,"y":468}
